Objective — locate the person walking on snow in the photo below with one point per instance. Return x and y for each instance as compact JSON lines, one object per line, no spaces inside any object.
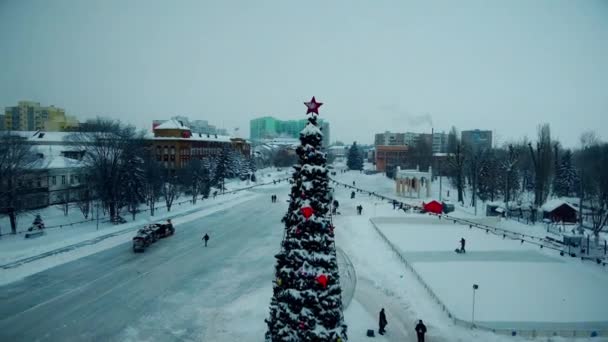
{"x":420,"y":331}
{"x":206,"y":238}
{"x":382,"y":322}
{"x":462,"y":242}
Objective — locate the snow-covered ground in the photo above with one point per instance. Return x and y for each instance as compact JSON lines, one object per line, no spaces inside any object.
{"x":498,"y":266}
{"x":521,"y":287}
{"x":94,"y":240}
{"x":228,"y":295}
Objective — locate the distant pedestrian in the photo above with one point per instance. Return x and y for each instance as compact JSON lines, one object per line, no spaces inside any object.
{"x":214,"y":194}
{"x":462,"y":243}
{"x":352,"y":194}
{"x":206,"y":238}
{"x":382,"y":322}
{"x":420,"y":331}
{"x":394,"y":204}
{"x":353,"y":183}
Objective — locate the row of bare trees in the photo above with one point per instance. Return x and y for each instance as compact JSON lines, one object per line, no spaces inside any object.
{"x":124,"y":173}
{"x":542,"y":168}
{"x":120,"y":172}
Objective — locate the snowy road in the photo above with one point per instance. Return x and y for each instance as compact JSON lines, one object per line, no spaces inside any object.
{"x":118,"y":295}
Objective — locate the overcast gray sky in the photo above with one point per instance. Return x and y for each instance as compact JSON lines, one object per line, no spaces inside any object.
{"x":378,"y":65}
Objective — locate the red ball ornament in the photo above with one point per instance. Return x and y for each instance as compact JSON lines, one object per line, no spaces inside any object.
{"x":307,"y":212}
{"x":302,"y":325}
{"x":322,"y":279}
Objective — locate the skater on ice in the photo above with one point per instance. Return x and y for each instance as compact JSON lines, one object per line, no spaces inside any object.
{"x":462,"y":243}
{"x":206,"y":238}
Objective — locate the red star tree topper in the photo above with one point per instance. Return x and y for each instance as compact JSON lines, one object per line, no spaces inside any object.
{"x":313,"y":106}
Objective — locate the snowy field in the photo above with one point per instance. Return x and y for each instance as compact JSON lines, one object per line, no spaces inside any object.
{"x":520,"y":287}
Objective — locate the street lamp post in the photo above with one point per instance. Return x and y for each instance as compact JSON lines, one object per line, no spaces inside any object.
{"x":97,"y":215}
{"x":475,"y":287}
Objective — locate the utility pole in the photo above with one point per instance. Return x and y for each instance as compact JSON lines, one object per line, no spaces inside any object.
{"x":439,"y":172}
{"x":581,"y":195}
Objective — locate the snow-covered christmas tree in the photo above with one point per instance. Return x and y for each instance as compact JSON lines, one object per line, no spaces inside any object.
{"x":306,"y":304}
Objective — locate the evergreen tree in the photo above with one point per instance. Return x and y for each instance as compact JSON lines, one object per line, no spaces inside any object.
{"x":355,"y":159}
{"x":566,"y":179}
{"x":221,"y":168}
{"x":306,"y":304}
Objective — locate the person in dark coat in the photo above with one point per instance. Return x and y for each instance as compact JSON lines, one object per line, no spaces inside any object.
{"x":353,"y":183}
{"x":462,"y":243}
{"x":382,"y":322}
{"x":206,"y":238}
{"x":352,"y":194}
{"x":420,"y":331}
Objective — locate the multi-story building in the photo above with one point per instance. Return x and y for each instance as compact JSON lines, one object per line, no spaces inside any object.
{"x":399,"y":139}
{"x":440,"y":142}
{"x":389,"y":157}
{"x":56,"y":174}
{"x":477,"y":139}
{"x":267,"y":127}
{"x":2,"y":116}
{"x":174,"y":144}
{"x":30,"y":116}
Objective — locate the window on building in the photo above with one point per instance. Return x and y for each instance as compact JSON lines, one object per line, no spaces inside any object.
{"x":62,"y":180}
{"x":54,"y":180}
{"x":39,"y":182}
{"x":71,"y":179}
{"x":77,"y":178}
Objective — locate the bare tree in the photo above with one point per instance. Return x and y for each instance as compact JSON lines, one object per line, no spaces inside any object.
{"x":542,"y":160}
{"x":64,"y":201}
{"x":15,"y":158}
{"x":85,"y":199}
{"x":152,"y":181}
{"x":456,"y":162}
{"x":170,"y":190}
{"x":593,"y":163}
{"x":109,"y":145}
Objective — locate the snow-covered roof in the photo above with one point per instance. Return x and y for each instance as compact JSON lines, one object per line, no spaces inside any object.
{"x":41,"y":136}
{"x":55,"y":162}
{"x":193,"y":137}
{"x":554,"y":204}
{"x":172,"y":124}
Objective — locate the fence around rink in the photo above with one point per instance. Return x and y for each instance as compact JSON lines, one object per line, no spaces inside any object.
{"x":535,"y":240}
{"x":539,"y":332}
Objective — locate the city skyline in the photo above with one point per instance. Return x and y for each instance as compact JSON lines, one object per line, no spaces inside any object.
{"x":402,"y":66}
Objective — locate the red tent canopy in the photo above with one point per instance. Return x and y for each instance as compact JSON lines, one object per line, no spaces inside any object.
{"x":433,"y":207}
